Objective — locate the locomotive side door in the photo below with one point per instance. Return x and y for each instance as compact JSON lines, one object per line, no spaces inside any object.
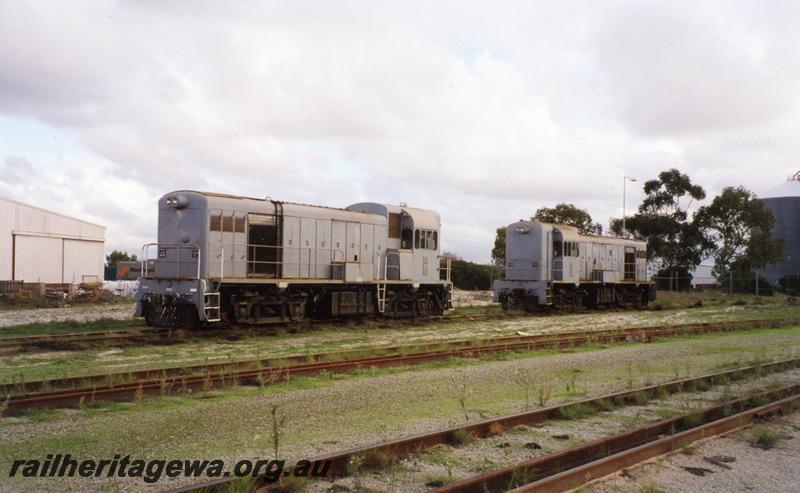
{"x":630,"y":263}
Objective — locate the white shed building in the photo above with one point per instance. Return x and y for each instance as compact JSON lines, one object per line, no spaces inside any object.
{"x":38,"y":245}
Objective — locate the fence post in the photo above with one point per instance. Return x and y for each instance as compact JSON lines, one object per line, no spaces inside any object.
{"x":756,"y":283}
{"x":730,"y":283}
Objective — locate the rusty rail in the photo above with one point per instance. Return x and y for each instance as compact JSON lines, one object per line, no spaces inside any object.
{"x":161,"y":382}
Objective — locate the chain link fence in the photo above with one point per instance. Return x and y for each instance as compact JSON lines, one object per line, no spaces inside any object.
{"x":754,"y":284}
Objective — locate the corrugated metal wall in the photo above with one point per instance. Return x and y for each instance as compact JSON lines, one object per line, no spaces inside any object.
{"x":43,"y":246}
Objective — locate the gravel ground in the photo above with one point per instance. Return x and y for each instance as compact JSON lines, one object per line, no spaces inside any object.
{"x":78,"y":313}
{"x":463,"y":298}
{"x":349,"y":410}
{"x":753,"y":469}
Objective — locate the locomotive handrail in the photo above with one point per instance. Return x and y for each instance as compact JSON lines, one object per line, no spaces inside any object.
{"x":177,"y":261}
{"x":337,"y":256}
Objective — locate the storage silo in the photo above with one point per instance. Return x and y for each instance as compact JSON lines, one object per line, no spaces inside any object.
{"x":784,"y":202}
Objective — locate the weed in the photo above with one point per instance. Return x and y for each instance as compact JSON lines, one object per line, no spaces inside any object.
{"x":239,"y":485}
{"x":693,"y":420}
{"x":437,"y":480}
{"x":524,"y":378}
{"x":649,"y":488}
{"x":460,"y":437}
{"x":629,"y":380}
{"x":702,"y":385}
{"x":763,"y":437}
{"x":277,"y":421}
{"x":377,"y":459}
{"x":577,"y":411}
{"x":689,"y":449}
{"x":571,"y":385}
{"x":288,"y":484}
{"x":543,"y":393}
{"x":463,"y":392}
{"x":137,"y":396}
{"x":641,"y":398}
{"x":354,"y":464}
{"x":605,"y":405}
{"x":495,"y":429}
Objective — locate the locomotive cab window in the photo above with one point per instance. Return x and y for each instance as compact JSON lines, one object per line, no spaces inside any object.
{"x":395,"y":221}
{"x":407,"y":238}
{"x":435,"y":241}
{"x":416,"y":238}
{"x":557,"y":249}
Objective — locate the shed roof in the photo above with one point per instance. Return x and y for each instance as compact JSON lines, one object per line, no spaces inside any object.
{"x":789,"y":188}
{"x":48,"y":211}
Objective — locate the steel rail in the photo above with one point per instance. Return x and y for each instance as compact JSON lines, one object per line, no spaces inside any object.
{"x":555,"y":340}
{"x":574,"y":466}
{"x":488,"y":427}
{"x":101,"y":389}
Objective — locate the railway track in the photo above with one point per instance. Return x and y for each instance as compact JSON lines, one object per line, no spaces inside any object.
{"x":80,"y":390}
{"x":149,"y":335}
{"x":571,"y":467}
{"x":575,"y":466}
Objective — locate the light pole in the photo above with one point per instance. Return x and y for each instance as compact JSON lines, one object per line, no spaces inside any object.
{"x":624,"y":182}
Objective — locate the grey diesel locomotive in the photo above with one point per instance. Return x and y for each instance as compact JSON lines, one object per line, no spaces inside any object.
{"x":255,"y":261}
{"x":554,"y":265}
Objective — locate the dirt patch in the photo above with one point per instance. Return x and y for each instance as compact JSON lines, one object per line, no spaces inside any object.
{"x":463,"y":298}
{"x":121,"y":311}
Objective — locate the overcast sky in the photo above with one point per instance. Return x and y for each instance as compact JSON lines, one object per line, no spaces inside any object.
{"x":482,"y":111}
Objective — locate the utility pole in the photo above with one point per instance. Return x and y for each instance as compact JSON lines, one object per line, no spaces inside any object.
{"x":624,"y":182}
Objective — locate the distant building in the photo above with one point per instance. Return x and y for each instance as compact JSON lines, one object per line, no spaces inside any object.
{"x":37,"y":245}
{"x":784,"y":202}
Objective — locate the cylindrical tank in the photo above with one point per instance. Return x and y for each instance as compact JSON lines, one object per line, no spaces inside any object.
{"x":784,"y":202}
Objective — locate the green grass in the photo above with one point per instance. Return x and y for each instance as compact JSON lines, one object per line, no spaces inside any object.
{"x":71,"y":326}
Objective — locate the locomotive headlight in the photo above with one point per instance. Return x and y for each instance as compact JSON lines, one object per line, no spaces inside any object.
{"x":178,"y":201}
{"x":523,"y":230}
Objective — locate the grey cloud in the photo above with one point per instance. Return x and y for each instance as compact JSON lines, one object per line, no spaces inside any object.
{"x":484,"y":113}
